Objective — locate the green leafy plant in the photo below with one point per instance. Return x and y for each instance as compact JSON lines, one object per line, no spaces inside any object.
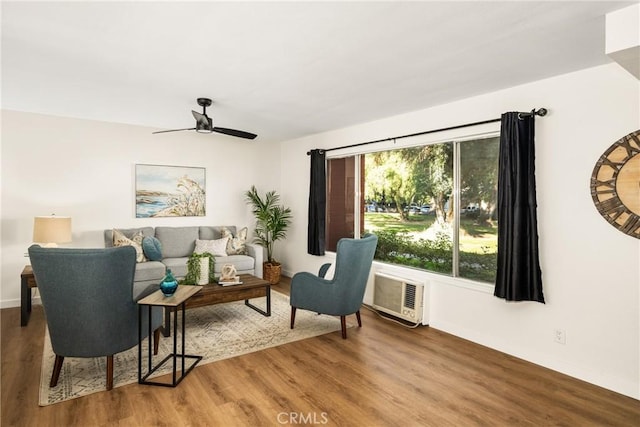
{"x":193,"y":268}
{"x":272,"y":219}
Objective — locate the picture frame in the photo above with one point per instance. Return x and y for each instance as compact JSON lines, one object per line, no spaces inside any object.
{"x":169,"y":191}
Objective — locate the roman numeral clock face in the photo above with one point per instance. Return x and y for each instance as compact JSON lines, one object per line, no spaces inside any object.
{"x":615,"y":184}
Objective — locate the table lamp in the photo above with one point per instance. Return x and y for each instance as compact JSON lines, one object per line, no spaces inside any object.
{"x":51,"y":230}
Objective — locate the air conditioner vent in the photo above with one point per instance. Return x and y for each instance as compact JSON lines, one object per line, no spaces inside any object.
{"x":410,"y":296}
{"x":398,"y":297}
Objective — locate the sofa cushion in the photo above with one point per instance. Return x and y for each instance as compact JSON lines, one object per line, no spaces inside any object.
{"x":240,"y":262}
{"x":214,"y":232}
{"x":152,"y":270}
{"x":178,"y":266}
{"x":236,"y":244}
{"x":120,"y":239}
{"x":152,"y":248}
{"x":144,"y":288}
{"x":216,"y":247}
{"x":177,"y":242}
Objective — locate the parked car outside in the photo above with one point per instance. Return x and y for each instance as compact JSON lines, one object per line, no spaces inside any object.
{"x":425,"y":209}
{"x":413,"y":208}
{"x":470,"y":209}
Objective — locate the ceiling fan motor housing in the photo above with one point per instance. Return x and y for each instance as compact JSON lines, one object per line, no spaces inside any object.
{"x":204,"y":124}
{"x":203,"y":127}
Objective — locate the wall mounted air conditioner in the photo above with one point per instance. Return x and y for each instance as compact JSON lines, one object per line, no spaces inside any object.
{"x":399,"y":297}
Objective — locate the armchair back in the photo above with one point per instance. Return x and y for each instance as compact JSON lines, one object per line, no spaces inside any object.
{"x":87,"y":295}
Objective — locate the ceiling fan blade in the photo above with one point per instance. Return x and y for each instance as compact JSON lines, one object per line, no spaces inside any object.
{"x":234,"y":132}
{"x":202,"y":119}
{"x":172,"y":130}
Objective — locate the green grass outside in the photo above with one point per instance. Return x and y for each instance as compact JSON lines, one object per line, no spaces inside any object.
{"x":474,"y":238}
{"x":478,"y":245}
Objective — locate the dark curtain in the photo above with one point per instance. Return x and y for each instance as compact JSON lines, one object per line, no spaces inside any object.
{"x":317,"y":204}
{"x":518,"y":277}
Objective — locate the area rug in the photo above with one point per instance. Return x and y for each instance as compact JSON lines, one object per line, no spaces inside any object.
{"x":216,"y":332}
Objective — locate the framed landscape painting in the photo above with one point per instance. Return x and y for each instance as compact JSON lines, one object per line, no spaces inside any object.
{"x":163,"y":191}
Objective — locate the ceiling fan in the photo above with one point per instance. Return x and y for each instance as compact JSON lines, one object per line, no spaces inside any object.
{"x":204,"y":124}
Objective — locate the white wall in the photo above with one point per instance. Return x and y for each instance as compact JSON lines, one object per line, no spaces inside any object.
{"x":85,"y":169}
{"x":591,"y":272}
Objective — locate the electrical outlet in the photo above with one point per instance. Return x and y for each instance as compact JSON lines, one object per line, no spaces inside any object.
{"x":560,"y":336}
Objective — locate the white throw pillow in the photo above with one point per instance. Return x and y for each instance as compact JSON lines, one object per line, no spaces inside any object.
{"x":214,"y":247}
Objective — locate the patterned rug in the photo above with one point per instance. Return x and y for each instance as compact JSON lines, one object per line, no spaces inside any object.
{"x":216,"y":332}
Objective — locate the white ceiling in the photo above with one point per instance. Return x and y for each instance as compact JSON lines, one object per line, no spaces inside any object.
{"x":283,"y":69}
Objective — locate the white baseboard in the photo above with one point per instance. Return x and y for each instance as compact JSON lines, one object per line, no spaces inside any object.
{"x":11,"y":303}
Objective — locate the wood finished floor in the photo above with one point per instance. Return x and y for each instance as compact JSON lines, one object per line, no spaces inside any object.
{"x":382,"y":375}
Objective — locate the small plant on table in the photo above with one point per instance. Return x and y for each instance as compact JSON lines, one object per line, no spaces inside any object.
{"x":194,"y":270}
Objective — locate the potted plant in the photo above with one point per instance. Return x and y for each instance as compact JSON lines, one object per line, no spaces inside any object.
{"x":199,"y":269}
{"x":272,"y":221}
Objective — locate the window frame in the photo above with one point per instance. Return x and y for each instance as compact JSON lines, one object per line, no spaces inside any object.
{"x":488,"y":132}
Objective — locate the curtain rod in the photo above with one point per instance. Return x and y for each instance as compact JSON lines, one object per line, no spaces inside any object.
{"x":539,"y":112}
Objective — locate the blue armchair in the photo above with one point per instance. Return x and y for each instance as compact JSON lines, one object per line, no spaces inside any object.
{"x":88,"y":300}
{"x":343,"y":294}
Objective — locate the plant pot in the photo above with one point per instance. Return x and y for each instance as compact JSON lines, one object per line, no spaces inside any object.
{"x":204,"y":271}
{"x":271,"y":272}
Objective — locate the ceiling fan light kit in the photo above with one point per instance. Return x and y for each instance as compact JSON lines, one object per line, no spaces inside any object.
{"x":204,"y":124}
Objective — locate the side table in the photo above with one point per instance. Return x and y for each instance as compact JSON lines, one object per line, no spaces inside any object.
{"x":178,"y":299}
{"x":27,"y":281}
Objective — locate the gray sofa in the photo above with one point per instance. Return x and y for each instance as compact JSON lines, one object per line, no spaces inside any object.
{"x":178,"y":243}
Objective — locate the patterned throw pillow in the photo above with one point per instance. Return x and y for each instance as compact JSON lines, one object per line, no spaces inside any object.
{"x":236,"y":245}
{"x":214,"y":247}
{"x":119,"y":239}
{"x":152,"y":248}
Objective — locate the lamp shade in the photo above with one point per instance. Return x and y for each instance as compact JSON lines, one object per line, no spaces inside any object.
{"x":52,"y":229}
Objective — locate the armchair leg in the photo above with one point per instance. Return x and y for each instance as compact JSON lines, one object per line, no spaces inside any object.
{"x":156,"y":340}
{"x":293,"y":316}
{"x":359,"y":319}
{"x":109,"y":372}
{"x":57,"y":367}
{"x":343,"y":324}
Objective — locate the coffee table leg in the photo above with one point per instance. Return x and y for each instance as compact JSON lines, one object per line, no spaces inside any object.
{"x":259,"y":310}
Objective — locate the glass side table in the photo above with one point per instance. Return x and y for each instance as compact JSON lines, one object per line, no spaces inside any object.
{"x":178,"y":299}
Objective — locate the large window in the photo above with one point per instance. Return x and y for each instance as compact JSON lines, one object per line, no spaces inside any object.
{"x":432,"y":206}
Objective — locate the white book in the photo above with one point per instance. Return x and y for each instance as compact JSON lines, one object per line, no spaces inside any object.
{"x":235,"y":281}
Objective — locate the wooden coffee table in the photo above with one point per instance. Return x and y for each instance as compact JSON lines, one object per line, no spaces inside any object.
{"x":251,"y":287}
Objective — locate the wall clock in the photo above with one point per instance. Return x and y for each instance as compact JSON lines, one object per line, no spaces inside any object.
{"x":615,"y":184}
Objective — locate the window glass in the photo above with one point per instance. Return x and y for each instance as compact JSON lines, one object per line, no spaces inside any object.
{"x":478,"y":247}
{"x":408,"y":192}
